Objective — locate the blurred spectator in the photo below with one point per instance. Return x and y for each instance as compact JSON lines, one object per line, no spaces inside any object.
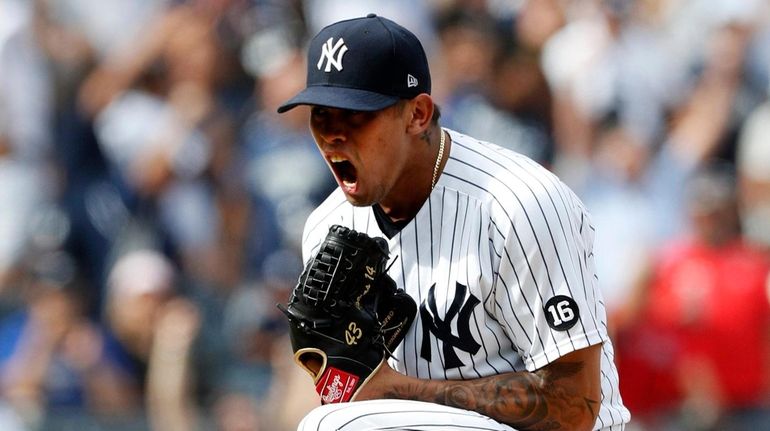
{"x":199,"y":361}
{"x":90,"y":203}
{"x":157,"y":328}
{"x":276,"y":148}
{"x":93,"y":22}
{"x":491,"y":85}
{"x":162,"y":125}
{"x":622,"y":193}
{"x":26,"y":180}
{"x":140,"y":283}
{"x":636,"y":192}
{"x":607,"y":60}
{"x":256,"y":335}
{"x":56,"y":363}
{"x":699,"y":343}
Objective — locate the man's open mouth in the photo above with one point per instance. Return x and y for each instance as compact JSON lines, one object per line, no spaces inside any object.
{"x":345,"y":171}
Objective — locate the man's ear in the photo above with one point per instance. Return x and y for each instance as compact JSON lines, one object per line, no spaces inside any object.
{"x":420,"y":114}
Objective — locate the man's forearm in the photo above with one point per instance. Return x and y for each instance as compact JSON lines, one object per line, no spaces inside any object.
{"x":543,"y":400}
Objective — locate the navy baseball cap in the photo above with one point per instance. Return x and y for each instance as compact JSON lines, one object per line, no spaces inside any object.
{"x":363,"y":64}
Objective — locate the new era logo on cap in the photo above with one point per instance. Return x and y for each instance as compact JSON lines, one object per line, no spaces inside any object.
{"x":363,"y":64}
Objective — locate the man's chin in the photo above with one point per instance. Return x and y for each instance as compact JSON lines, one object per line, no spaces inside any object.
{"x":358,"y":200}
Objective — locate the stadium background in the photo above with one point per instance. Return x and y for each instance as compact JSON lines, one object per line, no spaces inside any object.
{"x":151,"y":201}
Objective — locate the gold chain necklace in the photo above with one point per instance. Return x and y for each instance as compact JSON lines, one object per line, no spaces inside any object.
{"x":438,"y":159}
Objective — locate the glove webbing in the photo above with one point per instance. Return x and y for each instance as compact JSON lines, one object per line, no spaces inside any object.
{"x":318,"y":281}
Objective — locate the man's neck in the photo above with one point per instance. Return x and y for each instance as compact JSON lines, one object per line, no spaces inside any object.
{"x":410,"y":195}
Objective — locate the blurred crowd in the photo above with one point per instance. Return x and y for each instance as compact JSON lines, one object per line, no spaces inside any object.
{"x":152,"y":201}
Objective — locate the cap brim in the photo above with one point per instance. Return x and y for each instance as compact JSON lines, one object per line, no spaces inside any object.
{"x":340,"y":97}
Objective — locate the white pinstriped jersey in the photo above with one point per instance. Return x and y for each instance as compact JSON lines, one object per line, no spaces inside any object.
{"x":500,"y":262}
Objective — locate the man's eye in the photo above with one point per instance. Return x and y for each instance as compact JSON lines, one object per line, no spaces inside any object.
{"x":359,"y":117}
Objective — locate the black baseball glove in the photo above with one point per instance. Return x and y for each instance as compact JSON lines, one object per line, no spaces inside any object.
{"x":346,"y":314}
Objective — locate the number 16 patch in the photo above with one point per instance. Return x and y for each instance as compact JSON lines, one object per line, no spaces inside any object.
{"x":561,"y":312}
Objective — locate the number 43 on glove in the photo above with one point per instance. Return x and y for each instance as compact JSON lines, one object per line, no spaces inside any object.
{"x":346,"y":314}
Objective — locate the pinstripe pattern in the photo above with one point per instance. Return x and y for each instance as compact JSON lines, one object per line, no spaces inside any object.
{"x":515,"y":236}
{"x":398,"y":415}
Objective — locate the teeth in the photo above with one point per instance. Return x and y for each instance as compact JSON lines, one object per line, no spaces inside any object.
{"x":337,"y":159}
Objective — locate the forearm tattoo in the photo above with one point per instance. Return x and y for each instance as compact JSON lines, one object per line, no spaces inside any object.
{"x":526,"y":401}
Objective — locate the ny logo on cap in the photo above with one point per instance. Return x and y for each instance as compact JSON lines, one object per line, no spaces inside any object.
{"x":332,"y":53}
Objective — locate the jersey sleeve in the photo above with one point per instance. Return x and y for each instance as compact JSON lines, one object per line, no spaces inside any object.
{"x":546,"y":288}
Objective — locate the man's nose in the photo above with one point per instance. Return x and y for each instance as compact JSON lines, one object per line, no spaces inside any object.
{"x":333,"y":132}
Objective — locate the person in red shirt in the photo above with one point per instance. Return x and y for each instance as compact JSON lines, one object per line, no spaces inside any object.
{"x":705,"y":322}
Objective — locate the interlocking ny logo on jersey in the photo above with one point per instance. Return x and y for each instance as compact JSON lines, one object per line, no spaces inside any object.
{"x":462,"y":309}
{"x":332,"y":53}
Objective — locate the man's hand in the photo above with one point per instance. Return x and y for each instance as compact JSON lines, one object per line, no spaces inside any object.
{"x":381,"y":384}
